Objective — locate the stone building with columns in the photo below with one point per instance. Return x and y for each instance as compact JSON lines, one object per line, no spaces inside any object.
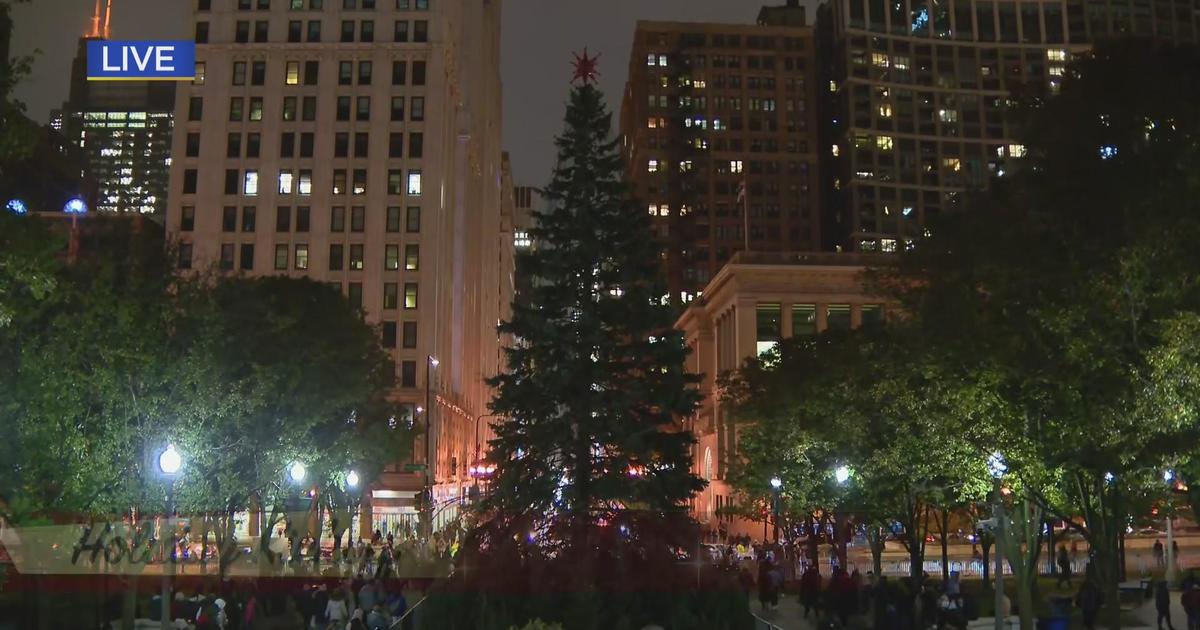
{"x":754,"y":302}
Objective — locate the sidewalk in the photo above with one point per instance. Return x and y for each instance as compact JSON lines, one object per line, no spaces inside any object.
{"x":789,"y":615}
{"x":1147,"y":614}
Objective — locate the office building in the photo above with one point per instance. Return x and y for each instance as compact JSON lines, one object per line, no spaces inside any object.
{"x":710,"y":111}
{"x":357,"y":143}
{"x":920,"y":92}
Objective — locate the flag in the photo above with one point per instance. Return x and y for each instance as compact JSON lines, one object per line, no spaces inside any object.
{"x":741,"y":194}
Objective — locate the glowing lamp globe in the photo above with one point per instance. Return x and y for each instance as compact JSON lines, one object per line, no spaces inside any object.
{"x":16,"y":206}
{"x":75,"y":205}
{"x":297,"y":472}
{"x":352,"y":479}
{"x":170,"y":461}
{"x":776,"y":483}
{"x":842,"y":474}
{"x":996,"y":465}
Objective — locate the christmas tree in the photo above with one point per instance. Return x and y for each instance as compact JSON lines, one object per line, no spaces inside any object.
{"x":595,"y":386}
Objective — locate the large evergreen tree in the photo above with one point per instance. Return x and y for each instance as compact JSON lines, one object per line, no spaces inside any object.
{"x":595,"y":384}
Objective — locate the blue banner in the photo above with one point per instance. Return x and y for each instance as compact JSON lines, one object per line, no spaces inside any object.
{"x":168,"y":60}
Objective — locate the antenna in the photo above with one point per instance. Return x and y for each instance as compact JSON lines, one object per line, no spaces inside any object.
{"x":107,"y":16}
{"x":96,"y":21}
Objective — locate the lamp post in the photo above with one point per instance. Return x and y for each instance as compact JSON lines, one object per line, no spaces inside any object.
{"x":841,"y":475}
{"x":431,"y":362}
{"x":1169,"y":477}
{"x":352,"y":489}
{"x":169,"y":464}
{"x":776,"y":486}
{"x":997,"y":466}
{"x":478,"y":468}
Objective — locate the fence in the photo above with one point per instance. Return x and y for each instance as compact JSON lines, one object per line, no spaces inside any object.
{"x":1135,"y":564}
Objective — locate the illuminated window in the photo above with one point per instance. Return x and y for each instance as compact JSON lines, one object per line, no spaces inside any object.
{"x":293,"y":73}
{"x":1016,"y":150}
{"x":652,"y":123}
{"x":651,"y":59}
{"x":250,"y":184}
{"x":199,"y":74}
{"x":685,"y":166}
{"x":948,"y":115}
{"x":884,"y":143}
{"x":414,"y":183}
{"x":952,"y":164}
{"x":652,"y":166}
{"x":301,"y":257}
{"x":285,"y":182}
{"x":391,"y":257}
{"x":832,"y":86}
{"x":900,"y":62}
{"x":412,"y":257}
{"x":1056,"y":55}
{"x":885,"y":110}
{"x":410,"y":295}
{"x":1056,"y":71}
{"x":305,"y":187}
{"x":521,"y":239}
{"x":879,"y":59}
{"x":735,"y":166}
{"x":769,"y":326}
{"x":662,"y":60}
{"x":836,"y":150}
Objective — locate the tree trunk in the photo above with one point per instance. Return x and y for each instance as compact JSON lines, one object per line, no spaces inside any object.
{"x":944,"y":523}
{"x":986,"y":547}
{"x":875,"y":537}
{"x":315,"y":549}
{"x":129,"y":603}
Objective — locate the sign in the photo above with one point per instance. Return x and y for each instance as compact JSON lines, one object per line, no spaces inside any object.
{"x":415,"y":467}
{"x":170,"y":60}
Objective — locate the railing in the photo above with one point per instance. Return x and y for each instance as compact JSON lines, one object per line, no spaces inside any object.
{"x":763,"y":624}
{"x":406,"y":620}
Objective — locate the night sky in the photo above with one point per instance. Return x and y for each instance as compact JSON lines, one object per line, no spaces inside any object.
{"x":538,"y":38}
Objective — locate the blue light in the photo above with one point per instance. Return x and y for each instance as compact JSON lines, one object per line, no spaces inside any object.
{"x":920,"y":20}
{"x":1108,"y":152}
{"x":16,"y":206}
{"x":75,"y":205}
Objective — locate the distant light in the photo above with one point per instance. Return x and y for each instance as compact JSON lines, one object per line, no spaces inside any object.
{"x":297,"y":472}
{"x":776,"y":483}
{"x":352,"y":479}
{"x":842,"y":474}
{"x":16,"y":206}
{"x":1109,"y":477}
{"x":996,"y":465}
{"x":75,"y":205}
{"x":1107,"y":152}
{"x":433,"y":361}
{"x":170,"y":461}
{"x":1168,"y":475}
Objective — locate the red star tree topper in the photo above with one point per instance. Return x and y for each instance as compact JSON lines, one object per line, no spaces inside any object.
{"x":585,"y":68}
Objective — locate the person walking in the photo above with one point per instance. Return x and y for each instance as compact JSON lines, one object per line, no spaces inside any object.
{"x":1064,"y":566}
{"x":764,"y":583}
{"x":1191,"y":605}
{"x":336,"y":613}
{"x":1158,"y":553}
{"x":810,"y":590}
{"x":1162,"y":604}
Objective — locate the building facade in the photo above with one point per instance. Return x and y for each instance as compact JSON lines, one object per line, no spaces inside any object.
{"x":124,"y":129}
{"x":920,"y":92}
{"x":357,"y":143}
{"x":719,"y":131}
{"x":754,"y":302}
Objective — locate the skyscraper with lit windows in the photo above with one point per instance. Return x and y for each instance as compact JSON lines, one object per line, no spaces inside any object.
{"x":357,"y":143}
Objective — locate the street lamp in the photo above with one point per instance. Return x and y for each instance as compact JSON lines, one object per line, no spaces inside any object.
{"x":842,"y":474}
{"x":431,"y":362}
{"x":998,"y":467}
{"x":1169,"y":478}
{"x":776,"y":486}
{"x":170,"y":462}
{"x":351,"y":488}
{"x":297,"y":472}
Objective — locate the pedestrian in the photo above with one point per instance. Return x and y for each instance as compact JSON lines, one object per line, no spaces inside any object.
{"x":368,"y":595}
{"x":810,"y":590}
{"x":764,"y":583}
{"x":1162,"y":604}
{"x":1089,"y":600}
{"x":1191,"y":605}
{"x":336,"y":612}
{"x":1064,"y":566}
{"x":1158,"y":552}
{"x":250,"y":613}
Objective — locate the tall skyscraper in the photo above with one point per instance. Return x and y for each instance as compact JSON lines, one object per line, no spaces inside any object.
{"x":718,"y":120}
{"x":920,"y":90}
{"x":357,"y":143}
{"x":123,"y":129}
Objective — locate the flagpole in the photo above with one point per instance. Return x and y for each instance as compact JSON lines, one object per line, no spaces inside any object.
{"x":745,"y":195}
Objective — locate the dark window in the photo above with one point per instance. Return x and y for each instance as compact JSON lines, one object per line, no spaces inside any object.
{"x":366,"y":31}
{"x":418,"y":109}
{"x":389,"y":334}
{"x":343,"y":108}
{"x":185,"y":255}
{"x":416,"y":144}
{"x":243,"y":5}
{"x":361,"y":142}
{"x":347,"y":31}
{"x":358,"y":218}
{"x":354,"y":294}
{"x":264,"y":5}
{"x":396,"y":145}
{"x":409,"y":338}
{"x":399,"y":72}
{"x":337,"y":256}
{"x":422,"y":5}
{"x":349,"y":4}
{"x":397,"y":108}
{"x":314,"y":30}
{"x":283,"y":219}
{"x":359,"y":186}
{"x":345,"y":72}
{"x":281,"y":257}
{"x":302,"y":214}
{"x":289,"y":108}
{"x":395,"y":182}
{"x":241,"y":33}
{"x":258,"y":73}
{"x":253,"y":143}
{"x":362,"y":108}
{"x":189,"y":181}
{"x":408,"y":374}
{"x":412,"y":220}
{"x":311,"y":70}
{"x":295,"y":31}
{"x":227,"y":252}
{"x":418,"y":77}
{"x":239,"y":73}
{"x":231,"y":181}
{"x":201,"y":32}
{"x":247,"y":256}
{"x":249,"y":218}
{"x":262,"y":30}
{"x":364,"y":73}
{"x":337,"y":218}
{"x":308,"y":108}
{"x":229,"y":219}
{"x":341,"y":144}
{"x":233,"y":145}
{"x":306,"y":144}
{"x":204,"y":5}
{"x":287,"y":144}
{"x":256,"y":108}
{"x":236,"y":106}
{"x":401,"y":31}
{"x":195,"y":108}
{"x":193,"y":144}
{"x":391,"y":295}
{"x":393,"y":219}
{"x":187,"y":219}
{"x":356,"y":257}
{"x":420,"y":31}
